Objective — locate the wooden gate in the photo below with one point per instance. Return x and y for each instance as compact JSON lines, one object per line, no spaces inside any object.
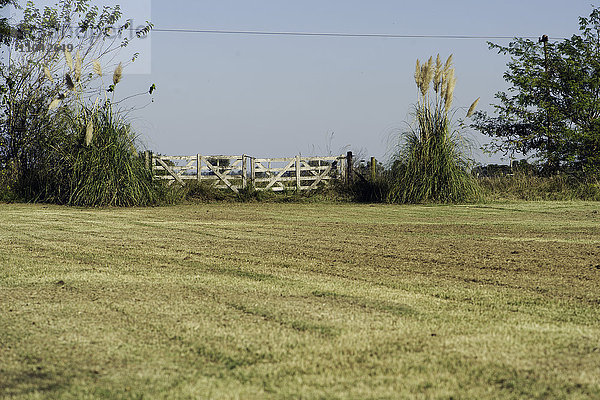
{"x":239,"y":172}
{"x":298,"y":173}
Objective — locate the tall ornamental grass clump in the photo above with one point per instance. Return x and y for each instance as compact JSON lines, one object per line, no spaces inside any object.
{"x":103,"y":165}
{"x":430,"y":164}
{"x":90,"y":157}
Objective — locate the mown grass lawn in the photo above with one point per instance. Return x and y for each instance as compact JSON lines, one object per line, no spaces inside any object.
{"x":301,"y":301}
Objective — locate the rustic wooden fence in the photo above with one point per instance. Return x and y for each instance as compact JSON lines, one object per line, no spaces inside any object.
{"x":240,"y":172}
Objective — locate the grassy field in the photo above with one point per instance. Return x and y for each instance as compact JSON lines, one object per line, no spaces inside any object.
{"x":301,"y":301}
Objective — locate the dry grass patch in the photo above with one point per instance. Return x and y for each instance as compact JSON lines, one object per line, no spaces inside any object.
{"x":300,"y":301}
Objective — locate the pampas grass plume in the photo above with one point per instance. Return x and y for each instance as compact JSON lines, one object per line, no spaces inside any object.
{"x":78,"y":67}
{"x":55,"y":103}
{"x":472,"y":108}
{"x":97,"y":67}
{"x":430,"y":71}
{"x":69,"y":59}
{"x":118,"y":74}
{"x":439,"y":73}
{"x":418,"y":73}
{"x":449,"y":92}
{"x":89,"y":132}
{"x":48,"y":74}
{"x":426,"y":76}
{"x":448,"y":64}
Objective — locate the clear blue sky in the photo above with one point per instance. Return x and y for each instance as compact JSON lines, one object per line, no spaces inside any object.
{"x":280,"y":95}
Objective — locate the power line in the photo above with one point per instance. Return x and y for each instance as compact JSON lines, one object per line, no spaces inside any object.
{"x":339,"y":34}
{"x":332,"y":34}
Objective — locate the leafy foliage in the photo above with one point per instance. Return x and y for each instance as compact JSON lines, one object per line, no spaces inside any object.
{"x":552,"y":110}
{"x":4,"y":27}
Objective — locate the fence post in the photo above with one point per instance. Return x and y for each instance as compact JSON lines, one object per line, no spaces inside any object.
{"x":298,"y":184}
{"x":373,"y":169}
{"x":148,"y":161}
{"x":244,"y":168}
{"x":341,"y":168}
{"x":199,"y":167}
{"x":252,"y":173}
{"x":349,"y":166}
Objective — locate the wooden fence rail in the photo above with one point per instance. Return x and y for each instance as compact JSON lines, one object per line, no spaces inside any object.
{"x":240,"y":172}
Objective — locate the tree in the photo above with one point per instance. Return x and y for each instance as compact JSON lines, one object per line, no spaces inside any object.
{"x":552,"y":109}
{"x":5,"y":36}
{"x":4,"y":26}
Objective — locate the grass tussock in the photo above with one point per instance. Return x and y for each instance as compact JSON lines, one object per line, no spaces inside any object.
{"x":430,"y":164}
{"x":107,"y":171}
